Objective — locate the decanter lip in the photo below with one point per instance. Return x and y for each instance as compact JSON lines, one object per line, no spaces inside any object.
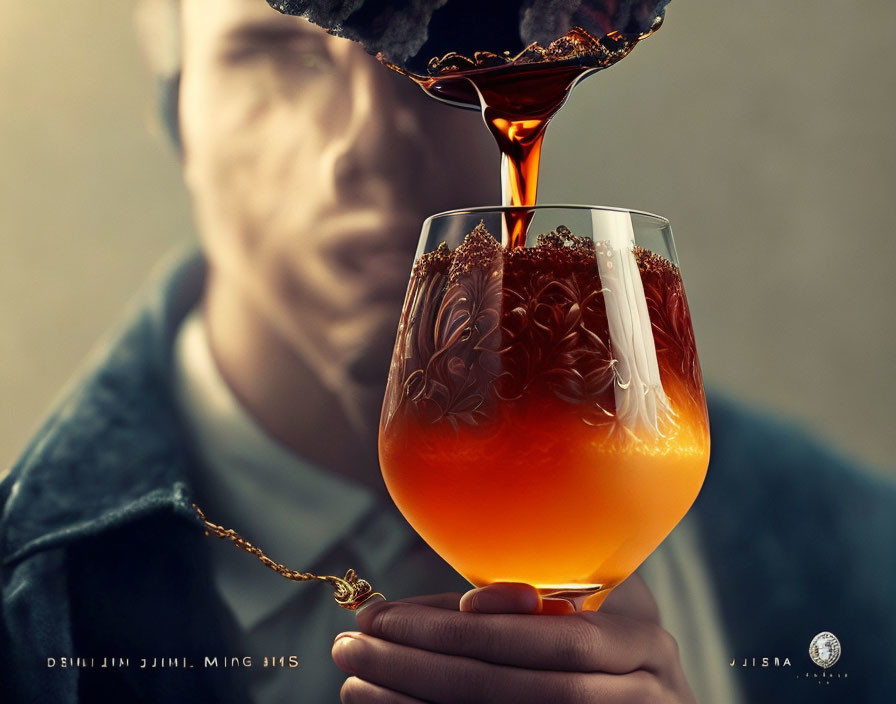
{"x":544,"y":206}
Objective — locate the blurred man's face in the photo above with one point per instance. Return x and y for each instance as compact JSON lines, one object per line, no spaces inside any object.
{"x":312,"y":167}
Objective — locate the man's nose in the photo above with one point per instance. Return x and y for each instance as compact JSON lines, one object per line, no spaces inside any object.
{"x":384,"y":144}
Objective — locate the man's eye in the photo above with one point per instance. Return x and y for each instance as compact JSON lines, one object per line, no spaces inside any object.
{"x":287,"y":47}
{"x":312,"y":60}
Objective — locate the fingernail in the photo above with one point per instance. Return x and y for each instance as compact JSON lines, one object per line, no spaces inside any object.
{"x":375,"y":599}
{"x":343,"y":647}
{"x":501,"y":598}
{"x":480,"y":601}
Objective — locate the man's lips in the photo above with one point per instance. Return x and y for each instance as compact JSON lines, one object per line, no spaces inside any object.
{"x":378,"y":249}
{"x":368,"y":230}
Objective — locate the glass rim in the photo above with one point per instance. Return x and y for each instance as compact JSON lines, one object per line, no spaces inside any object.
{"x":544,"y":206}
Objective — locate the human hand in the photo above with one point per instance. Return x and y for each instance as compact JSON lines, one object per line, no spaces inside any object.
{"x":492,"y":645}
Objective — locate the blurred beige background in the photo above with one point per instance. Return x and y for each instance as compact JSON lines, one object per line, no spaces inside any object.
{"x":762,"y":129}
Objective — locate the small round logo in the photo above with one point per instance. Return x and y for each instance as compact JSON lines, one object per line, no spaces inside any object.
{"x":824,"y":649}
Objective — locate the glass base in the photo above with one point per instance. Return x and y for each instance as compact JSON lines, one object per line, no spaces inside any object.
{"x":582,"y":598}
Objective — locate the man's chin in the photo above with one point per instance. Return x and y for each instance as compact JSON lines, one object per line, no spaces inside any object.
{"x":369,"y":367}
{"x":362,"y":401}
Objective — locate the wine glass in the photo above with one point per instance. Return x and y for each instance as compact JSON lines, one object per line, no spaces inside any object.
{"x":545,"y":420}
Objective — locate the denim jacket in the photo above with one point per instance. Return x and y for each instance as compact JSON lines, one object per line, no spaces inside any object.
{"x":102,"y":555}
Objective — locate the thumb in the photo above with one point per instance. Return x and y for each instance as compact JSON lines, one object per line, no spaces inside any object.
{"x":510,"y":598}
{"x":502,"y":598}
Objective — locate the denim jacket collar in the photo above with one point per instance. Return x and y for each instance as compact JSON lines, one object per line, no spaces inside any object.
{"x":68,"y":483}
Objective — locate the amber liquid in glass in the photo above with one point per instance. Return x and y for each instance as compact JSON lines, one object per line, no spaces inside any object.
{"x":500,"y":441}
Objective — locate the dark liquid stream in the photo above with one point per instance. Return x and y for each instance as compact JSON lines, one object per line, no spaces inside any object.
{"x":517,"y":103}
{"x":518,"y":96}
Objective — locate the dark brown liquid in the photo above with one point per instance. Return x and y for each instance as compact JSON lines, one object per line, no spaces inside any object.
{"x":517,"y":104}
{"x":502,"y":440}
{"x":518,"y":97}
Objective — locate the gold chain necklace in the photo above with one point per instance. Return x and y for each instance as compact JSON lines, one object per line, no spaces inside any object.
{"x":351,"y":592}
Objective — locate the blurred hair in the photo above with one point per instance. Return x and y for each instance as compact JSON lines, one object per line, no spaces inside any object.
{"x":158,"y":30}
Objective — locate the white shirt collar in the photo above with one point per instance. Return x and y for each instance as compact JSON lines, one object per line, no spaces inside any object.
{"x":244,"y":479}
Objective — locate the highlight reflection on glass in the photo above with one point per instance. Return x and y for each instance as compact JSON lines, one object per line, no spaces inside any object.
{"x":545,"y":419}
